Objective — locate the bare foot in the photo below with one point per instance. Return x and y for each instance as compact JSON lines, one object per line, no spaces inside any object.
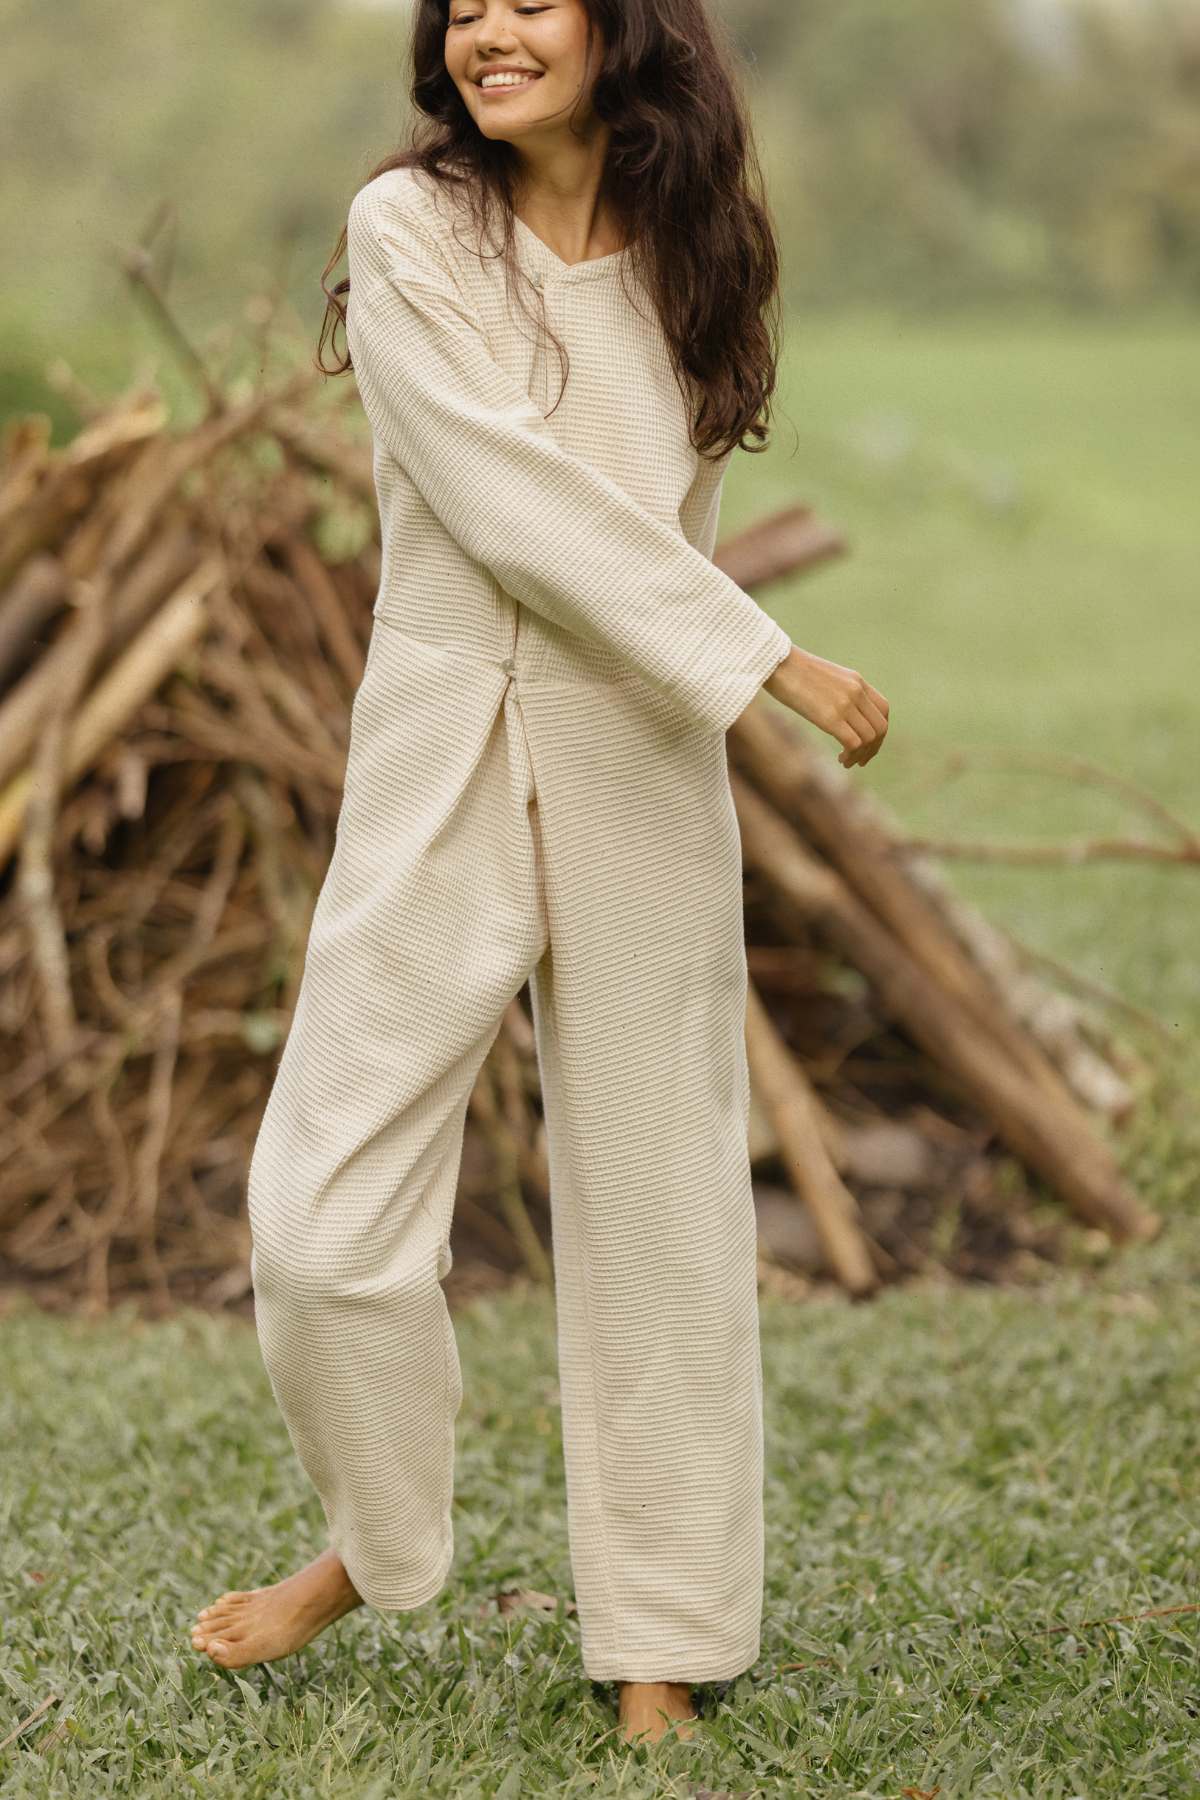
{"x":648,"y":1709}
{"x":269,"y":1622}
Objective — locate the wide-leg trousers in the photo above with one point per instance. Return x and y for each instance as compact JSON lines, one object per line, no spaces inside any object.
{"x":496,"y":829}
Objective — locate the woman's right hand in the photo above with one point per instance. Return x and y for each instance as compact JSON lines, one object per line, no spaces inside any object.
{"x":839,"y":701}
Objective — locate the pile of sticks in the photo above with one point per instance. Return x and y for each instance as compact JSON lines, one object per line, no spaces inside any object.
{"x":184,"y":615}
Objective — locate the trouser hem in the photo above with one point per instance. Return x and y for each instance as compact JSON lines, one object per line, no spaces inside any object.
{"x":686,"y":1670}
{"x":403,"y":1600}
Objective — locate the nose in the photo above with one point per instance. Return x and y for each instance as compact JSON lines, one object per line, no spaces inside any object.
{"x":492,"y":31}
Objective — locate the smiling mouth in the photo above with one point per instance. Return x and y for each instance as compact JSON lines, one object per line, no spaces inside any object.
{"x":508,"y":85}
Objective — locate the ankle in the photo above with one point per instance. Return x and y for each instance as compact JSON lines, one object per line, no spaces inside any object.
{"x":334,"y":1586}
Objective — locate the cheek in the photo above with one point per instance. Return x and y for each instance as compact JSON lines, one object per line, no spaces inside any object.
{"x":561,"y":46}
{"x":455,"y":53}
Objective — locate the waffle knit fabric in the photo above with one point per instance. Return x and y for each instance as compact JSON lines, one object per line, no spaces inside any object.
{"x":536,"y":789}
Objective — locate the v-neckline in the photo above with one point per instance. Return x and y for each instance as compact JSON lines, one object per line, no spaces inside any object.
{"x":587,"y":265}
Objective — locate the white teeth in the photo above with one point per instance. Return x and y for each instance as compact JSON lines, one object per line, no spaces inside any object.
{"x":506,"y":80}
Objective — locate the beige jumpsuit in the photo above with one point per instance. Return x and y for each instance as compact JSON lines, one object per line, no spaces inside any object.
{"x":536,"y":787}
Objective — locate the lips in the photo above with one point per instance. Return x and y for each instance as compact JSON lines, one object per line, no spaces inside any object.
{"x":527,"y":75}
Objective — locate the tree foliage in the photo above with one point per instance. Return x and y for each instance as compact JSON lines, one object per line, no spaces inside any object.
{"x":925,"y":153}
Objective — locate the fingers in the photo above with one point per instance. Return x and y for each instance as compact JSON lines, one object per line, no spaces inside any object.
{"x":864,"y":721}
{"x":875,"y":716}
{"x":877,"y":724}
{"x":842,"y":702}
{"x":861,"y":734}
{"x":851,"y":745}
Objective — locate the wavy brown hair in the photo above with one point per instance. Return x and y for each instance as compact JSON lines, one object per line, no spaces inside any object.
{"x":681,"y":176}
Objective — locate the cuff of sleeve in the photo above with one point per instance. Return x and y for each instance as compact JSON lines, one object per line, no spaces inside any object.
{"x":738,"y":690}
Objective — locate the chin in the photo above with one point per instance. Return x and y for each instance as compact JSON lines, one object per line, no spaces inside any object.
{"x":509,"y":135}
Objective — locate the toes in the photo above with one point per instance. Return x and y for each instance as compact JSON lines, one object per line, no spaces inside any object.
{"x":220,"y":1614}
{"x":221,"y":1602}
{"x":224,"y":1649}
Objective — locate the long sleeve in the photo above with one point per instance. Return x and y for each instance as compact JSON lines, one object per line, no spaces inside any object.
{"x":701,"y":510}
{"x":557,"y":533}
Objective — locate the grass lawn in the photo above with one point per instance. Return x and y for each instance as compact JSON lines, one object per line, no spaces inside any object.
{"x":951,"y":1477}
{"x":969,"y":1491}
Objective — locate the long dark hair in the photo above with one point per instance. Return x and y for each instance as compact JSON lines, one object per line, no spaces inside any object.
{"x":682,"y":177}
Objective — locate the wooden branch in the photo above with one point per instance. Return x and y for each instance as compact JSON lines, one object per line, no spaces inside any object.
{"x":533,"y":1164}
{"x":1049,"y":1013}
{"x":821,"y":803}
{"x":182,"y":869}
{"x":1055,"y":855}
{"x":789,"y":541}
{"x":793,"y":1109}
{"x":132,"y":680}
{"x":485,"y":1106}
{"x":1080,"y":771}
{"x":1050,"y":1134}
{"x":317,"y":587}
{"x":37,"y":591}
{"x":137,"y":264}
{"x":166,"y":562}
{"x":316,"y":448}
{"x":42,"y":492}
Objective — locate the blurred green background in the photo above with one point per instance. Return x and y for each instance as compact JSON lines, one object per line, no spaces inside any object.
{"x":990,"y":220}
{"x":933,"y":155}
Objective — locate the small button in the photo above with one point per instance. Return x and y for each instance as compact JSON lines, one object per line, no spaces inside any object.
{"x":509,"y":666}
{"x":536,"y":277}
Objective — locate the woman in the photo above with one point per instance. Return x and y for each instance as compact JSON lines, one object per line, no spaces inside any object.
{"x":537,"y":789}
